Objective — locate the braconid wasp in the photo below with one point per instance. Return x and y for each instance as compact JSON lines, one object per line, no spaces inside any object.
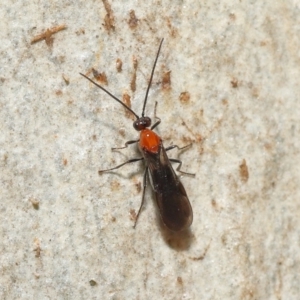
{"x":173,"y":203}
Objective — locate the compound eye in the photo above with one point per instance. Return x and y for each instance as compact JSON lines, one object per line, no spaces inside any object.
{"x":147,"y":121}
{"x":136,"y":125}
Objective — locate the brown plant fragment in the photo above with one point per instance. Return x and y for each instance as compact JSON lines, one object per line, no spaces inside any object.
{"x":166,"y":80}
{"x":244,"y":173}
{"x":126,"y":100}
{"x":185,"y":97}
{"x":133,"y":79}
{"x":47,"y":35}
{"x":119,"y":65}
{"x":133,"y":20}
{"x":109,"y":19}
{"x":100,"y":76}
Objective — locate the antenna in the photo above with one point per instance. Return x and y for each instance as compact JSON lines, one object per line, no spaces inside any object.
{"x":151,"y":77}
{"x":110,"y":94}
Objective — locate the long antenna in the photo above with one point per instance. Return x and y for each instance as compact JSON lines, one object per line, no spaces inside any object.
{"x":151,"y":77}
{"x":110,"y":94}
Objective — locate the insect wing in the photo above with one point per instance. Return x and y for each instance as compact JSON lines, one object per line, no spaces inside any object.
{"x":174,"y":206}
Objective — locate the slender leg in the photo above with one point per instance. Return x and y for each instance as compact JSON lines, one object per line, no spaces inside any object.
{"x":126,"y":145}
{"x":159,"y":120}
{"x":121,"y":165}
{"x":179,"y":167}
{"x":179,"y":148}
{"x":143,"y":196}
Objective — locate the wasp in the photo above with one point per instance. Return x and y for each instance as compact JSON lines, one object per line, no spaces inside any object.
{"x":171,"y":198}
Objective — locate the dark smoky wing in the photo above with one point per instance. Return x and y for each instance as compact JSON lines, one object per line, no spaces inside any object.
{"x":175,"y":208}
{"x":173,"y":203}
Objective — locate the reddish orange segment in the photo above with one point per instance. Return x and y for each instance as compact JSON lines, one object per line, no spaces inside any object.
{"x":149,"y":141}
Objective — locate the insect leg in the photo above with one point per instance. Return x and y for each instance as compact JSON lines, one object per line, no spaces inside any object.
{"x":179,"y":148}
{"x":121,"y":165}
{"x":158,"y":119}
{"x":143,"y":197}
{"x":126,"y":145}
{"x":179,"y":167}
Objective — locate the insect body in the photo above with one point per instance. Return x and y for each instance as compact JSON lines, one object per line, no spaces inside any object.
{"x":173,"y":203}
